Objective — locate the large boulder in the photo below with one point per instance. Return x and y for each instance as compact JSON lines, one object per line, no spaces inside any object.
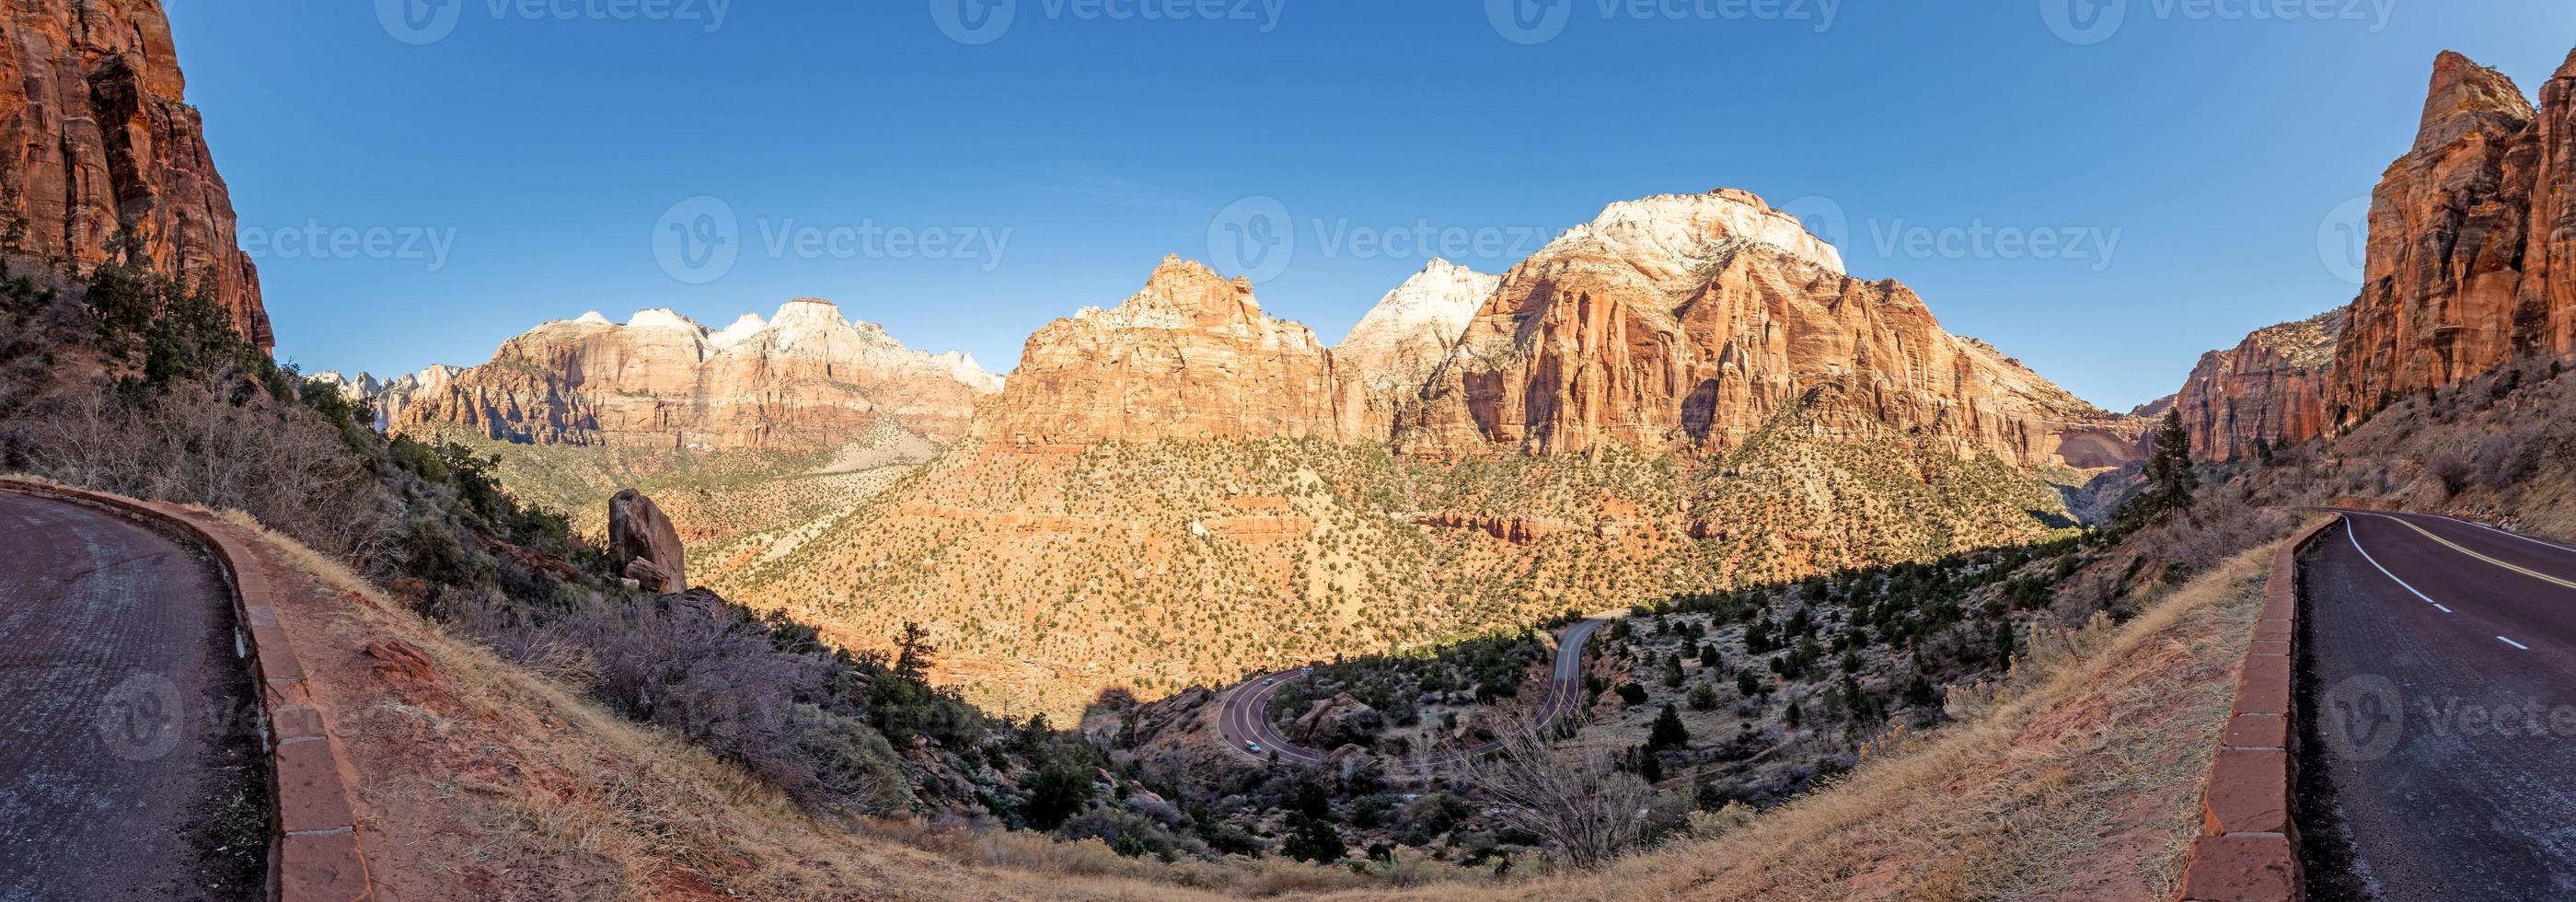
{"x":644,"y":544}
{"x":1336,"y":722}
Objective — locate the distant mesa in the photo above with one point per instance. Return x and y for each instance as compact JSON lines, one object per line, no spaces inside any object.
{"x":805,"y":378}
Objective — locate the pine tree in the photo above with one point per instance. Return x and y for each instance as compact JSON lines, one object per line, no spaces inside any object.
{"x":1668,"y":732}
{"x":2171,"y":481}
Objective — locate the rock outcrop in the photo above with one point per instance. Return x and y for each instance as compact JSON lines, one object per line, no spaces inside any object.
{"x":2472,"y":248}
{"x":1336,"y":722}
{"x":1191,"y":357}
{"x":96,"y":133}
{"x":807,"y":378}
{"x":2267,"y":392}
{"x":644,"y":545}
{"x":1391,"y":353}
{"x":1686,"y":323}
{"x":388,"y":398}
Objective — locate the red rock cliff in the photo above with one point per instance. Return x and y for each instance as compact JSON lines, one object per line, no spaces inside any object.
{"x":95,"y":131}
{"x":2472,"y":253}
{"x":1687,"y":322}
{"x":806,"y":379}
{"x":1191,"y":357}
{"x":2271,"y":388}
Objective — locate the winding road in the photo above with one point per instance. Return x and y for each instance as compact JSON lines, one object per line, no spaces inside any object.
{"x":2442,"y":686}
{"x":125,"y":755}
{"x":1246,"y":715}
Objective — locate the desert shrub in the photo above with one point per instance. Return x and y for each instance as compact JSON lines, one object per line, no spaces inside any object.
{"x":1129,"y":834}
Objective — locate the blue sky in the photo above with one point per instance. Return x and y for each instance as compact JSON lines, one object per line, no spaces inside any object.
{"x":2104,"y":189}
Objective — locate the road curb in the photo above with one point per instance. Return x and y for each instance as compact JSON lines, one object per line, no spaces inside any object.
{"x":2248,"y":847}
{"x":313,"y":842}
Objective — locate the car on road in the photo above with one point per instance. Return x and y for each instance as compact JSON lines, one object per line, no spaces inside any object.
{"x":1253,"y":747}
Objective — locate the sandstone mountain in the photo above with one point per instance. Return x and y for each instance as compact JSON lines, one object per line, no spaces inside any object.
{"x":2472,"y":250}
{"x":1393,"y":350}
{"x":805,"y":379}
{"x":1191,"y":357}
{"x":2268,"y":391}
{"x":96,"y":133}
{"x":388,"y":398}
{"x":1686,"y":323}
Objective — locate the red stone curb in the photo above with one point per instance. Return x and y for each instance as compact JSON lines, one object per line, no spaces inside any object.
{"x":313,"y":846}
{"x":2248,"y":848}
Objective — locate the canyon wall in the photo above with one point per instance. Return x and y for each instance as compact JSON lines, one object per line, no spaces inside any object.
{"x":1688,"y":322}
{"x":2267,"y":392}
{"x":2472,"y":243}
{"x":1191,"y":357}
{"x":807,"y":379}
{"x":96,"y":133}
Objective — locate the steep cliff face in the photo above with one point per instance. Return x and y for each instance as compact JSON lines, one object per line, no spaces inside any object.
{"x":2472,"y":242}
{"x":1687,"y":323}
{"x":95,"y":131}
{"x":1393,"y":350}
{"x":1191,"y":357}
{"x":806,"y":379}
{"x":2269,"y":390}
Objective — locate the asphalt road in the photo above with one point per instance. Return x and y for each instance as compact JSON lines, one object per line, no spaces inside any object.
{"x":1246,"y":718}
{"x":2442,"y":687}
{"x":123,"y":761}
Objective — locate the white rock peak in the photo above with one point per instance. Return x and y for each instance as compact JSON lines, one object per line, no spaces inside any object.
{"x":1440,"y":300}
{"x":1696,"y":227}
{"x":594,"y":318}
{"x":662,"y":318}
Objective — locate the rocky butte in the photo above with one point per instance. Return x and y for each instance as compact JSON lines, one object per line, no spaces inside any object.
{"x":1686,"y":322}
{"x":1191,"y":357}
{"x":2267,"y":392}
{"x":96,"y":132}
{"x":806,"y":378}
{"x":2472,"y":255}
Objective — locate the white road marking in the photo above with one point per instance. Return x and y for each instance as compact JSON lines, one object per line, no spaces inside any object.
{"x":2354,"y":533}
{"x":2513,"y":643}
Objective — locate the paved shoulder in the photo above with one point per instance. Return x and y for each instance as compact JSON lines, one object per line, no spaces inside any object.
{"x":127,"y":761}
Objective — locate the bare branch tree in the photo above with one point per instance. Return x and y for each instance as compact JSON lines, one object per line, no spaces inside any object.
{"x":1585,"y":808}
